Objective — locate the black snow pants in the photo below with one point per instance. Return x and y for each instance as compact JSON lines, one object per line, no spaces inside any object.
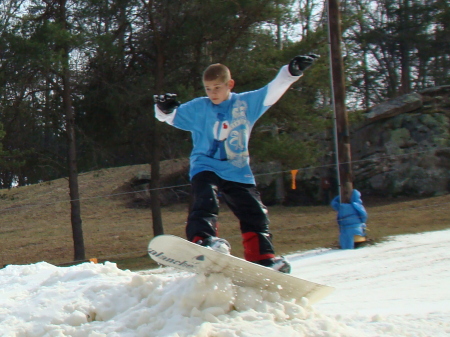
{"x":244,"y":201}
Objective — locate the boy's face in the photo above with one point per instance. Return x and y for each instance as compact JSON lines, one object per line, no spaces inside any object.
{"x":217,"y":90}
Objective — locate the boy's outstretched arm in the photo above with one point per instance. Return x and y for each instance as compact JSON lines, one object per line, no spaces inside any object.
{"x":165,"y":106}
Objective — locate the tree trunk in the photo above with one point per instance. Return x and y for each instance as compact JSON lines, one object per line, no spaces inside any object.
{"x":405,"y":78}
{"x":278,"y":22}
{"x":158,"y":228}
{"x":75,"y":209}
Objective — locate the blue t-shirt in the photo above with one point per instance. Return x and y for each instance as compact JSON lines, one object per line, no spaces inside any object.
{"x":221,"y":133}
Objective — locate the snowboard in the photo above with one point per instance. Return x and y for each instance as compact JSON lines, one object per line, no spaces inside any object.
{"x":173,"y":251}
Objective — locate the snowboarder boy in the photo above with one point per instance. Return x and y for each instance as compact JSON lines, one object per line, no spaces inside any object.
{"x":220,"y":125}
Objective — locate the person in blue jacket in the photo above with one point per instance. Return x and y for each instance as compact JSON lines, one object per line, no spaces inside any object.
{"x":351,"y":218}
{"x":220,"y":125}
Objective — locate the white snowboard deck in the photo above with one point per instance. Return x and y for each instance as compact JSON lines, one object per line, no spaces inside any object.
{"x":179,"y":253}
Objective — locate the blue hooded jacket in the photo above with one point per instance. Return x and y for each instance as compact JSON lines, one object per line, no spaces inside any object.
{"x":351,"y":219}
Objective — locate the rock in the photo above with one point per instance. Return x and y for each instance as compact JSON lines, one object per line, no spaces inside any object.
{"x":436,"y":91}
{"x":174,"y":184}
{"x":395,"y":106}
{"x":401,"y":149}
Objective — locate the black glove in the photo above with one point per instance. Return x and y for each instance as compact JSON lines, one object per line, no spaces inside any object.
{"x":300,"y":63}
{"x":166,"y":103}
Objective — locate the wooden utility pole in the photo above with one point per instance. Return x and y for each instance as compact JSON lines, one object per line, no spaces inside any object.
{"x":342,"y":133}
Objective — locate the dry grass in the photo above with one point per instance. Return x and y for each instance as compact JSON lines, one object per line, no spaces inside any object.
{"x":35,"y":221}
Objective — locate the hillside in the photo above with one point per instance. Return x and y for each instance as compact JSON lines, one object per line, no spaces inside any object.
{"x":35,"y":220}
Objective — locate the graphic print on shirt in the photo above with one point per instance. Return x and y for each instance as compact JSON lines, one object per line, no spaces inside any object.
{"x":237,"y":141}
{"x":221,"y":129}
{"x":230,"y":139}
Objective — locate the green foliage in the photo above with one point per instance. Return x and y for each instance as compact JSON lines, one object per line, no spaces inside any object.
{"x":292,"y":153}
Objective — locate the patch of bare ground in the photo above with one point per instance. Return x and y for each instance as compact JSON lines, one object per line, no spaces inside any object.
{"x":35,"y":221}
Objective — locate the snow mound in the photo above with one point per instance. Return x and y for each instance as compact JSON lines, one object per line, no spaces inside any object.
{"x":102,"y":300}
{"x":397,"y":288}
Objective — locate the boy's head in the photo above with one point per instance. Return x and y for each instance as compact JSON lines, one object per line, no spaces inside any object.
{"x":217,"y":82}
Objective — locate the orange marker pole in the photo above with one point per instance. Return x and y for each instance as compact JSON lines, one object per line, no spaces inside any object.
{"x":293,"y":175}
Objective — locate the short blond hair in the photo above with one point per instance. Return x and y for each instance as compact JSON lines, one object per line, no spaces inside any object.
{"x":217,"y":71}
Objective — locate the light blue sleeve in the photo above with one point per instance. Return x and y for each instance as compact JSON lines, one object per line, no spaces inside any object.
{"x":189,"y":115}
{"x":255,"y":103}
